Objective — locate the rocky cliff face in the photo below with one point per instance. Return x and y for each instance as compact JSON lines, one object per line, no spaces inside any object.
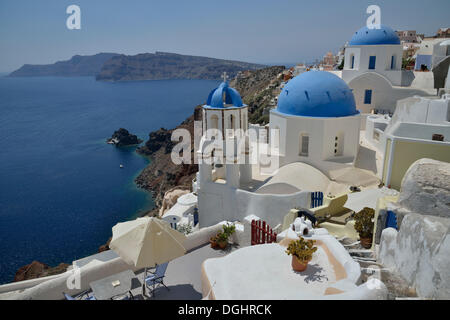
{"x":38,"y":269}
{"x":258,"y":88}
{"x":163,"y":65}
{"x":162,"y":174}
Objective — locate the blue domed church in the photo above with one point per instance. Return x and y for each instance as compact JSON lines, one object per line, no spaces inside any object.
{"x":317,"y":120}
{"x":372,"y":66}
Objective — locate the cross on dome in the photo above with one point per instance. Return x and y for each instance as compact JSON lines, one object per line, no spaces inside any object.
{"x":224,"y":76}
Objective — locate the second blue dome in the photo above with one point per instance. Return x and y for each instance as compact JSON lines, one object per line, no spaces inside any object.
{"x":382,"y":36}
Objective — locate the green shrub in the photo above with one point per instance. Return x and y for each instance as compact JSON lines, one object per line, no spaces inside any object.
{"x":364,"y":222}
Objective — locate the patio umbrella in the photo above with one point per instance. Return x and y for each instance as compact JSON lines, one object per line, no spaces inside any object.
{"x":146,"y":242}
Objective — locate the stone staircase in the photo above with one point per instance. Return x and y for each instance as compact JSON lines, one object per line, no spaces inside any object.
{"x":397,"y":287}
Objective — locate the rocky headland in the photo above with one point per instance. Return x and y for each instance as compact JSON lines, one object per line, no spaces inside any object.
{"x":122,"y":137}
{"x":76,"y":66}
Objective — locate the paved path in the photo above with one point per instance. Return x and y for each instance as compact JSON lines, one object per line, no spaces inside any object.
{"x":183,"y":276}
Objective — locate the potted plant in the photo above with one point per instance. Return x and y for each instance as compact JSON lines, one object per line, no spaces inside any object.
{"x":222,"y":240}
{"x":364,"y":226}
{"x":229,"y":229}
{"x":213,"y":242}
{"x":302,"y":251}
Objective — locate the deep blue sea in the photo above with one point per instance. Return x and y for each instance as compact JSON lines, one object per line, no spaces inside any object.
{"x":61,"y":188}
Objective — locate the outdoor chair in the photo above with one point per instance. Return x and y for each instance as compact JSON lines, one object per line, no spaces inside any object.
{"x":79,"y":296}
{"x":155,"y":279}
{"x":127,"y":296}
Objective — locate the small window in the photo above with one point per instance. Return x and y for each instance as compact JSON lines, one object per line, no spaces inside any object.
{"x":368,"y":97}
{"x":339,"y":144}
{"x":231,"y":122}
{"x":372,"y":62}
{"x":392,"y":62}
{"x":214,"y":122}
{"x":304,"y":145}
{"x":353,"y":61}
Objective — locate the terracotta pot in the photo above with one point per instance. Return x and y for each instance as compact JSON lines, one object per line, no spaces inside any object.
{"x":298,"y":265}
{"x":366,"y":242}
{"x":222,"y":244}
{"x":213,"y":243}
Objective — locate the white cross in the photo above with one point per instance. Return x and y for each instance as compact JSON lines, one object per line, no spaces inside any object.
{"x":224,"y":76}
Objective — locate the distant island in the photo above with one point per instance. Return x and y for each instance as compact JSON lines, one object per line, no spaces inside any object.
{"x":163,"y":65}
{"x":145,"y":66}
{"x":76,"y":66}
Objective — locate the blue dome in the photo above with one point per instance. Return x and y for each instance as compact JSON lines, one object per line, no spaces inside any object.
{"x":221,"y":93}
{"x":317,"y":94}
{"x":366,"y":36}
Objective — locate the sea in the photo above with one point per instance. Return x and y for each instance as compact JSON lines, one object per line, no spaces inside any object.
{"x":61,"y":185}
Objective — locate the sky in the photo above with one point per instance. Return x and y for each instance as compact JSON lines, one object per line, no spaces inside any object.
{"x":261,"y":31}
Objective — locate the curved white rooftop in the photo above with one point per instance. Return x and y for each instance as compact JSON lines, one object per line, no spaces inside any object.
{"x":299,"y":176}
{"x":188,"y":199}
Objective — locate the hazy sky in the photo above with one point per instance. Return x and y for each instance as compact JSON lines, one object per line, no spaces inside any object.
{"x":276,"y":31}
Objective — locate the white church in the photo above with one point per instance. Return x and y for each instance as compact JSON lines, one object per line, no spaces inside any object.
{"x":373,"y":70}
{"x":318,"y":126}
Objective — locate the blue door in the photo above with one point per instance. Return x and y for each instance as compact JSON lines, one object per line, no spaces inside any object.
{"x":368,"y":97}
{"x":316,"y":199}
{"x":372,"y":61}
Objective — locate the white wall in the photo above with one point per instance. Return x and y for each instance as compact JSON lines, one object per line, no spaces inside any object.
{"x":383,"y":55}
{"x":322,"y":133}
{"x":423,"y":80}
{"x":384,"y":96}
{"x":270,"y":208}
{"x":376,"y":125}
{"x":218,"y":202}
{"x":422,"y":110}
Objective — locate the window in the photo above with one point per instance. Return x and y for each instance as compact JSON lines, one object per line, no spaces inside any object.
{"x":304,"y":145}
{"x":393,"y":62}
{"x":214,"y":122}
{"x":368,"y":97}
{"x":231,"y":122}
{"x":339,"y":144}
{"x":352,"y":62}
{"x":275,"y":137}
{"x":372,"y":62}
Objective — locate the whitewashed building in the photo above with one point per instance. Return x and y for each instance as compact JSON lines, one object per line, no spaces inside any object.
{"x":373,"y":69}
{"x":317,"y":121}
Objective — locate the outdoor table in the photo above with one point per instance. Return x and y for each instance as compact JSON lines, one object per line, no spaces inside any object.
{"x":103,"y":289}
